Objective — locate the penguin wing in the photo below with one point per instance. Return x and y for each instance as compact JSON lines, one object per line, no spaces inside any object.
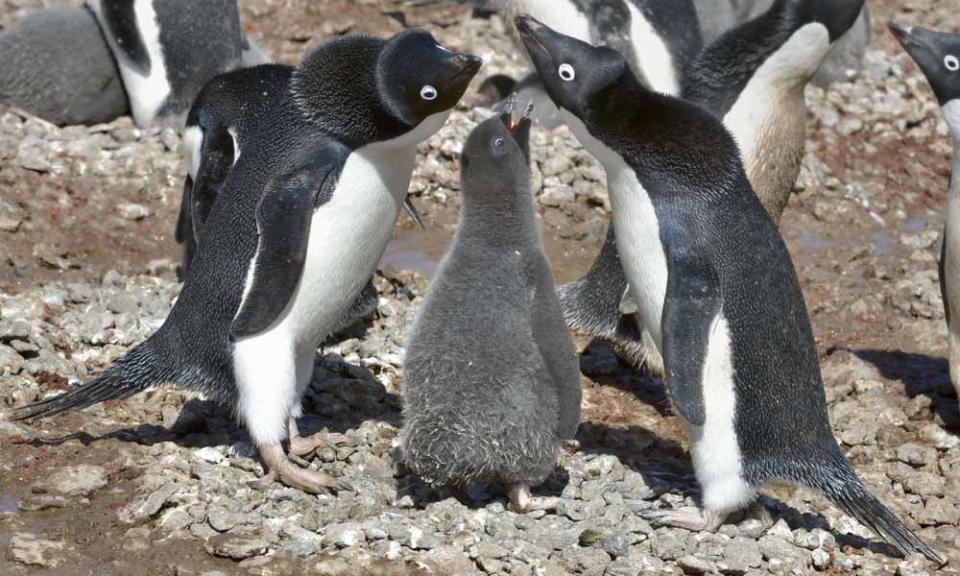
{"x":284,"y":215}
{"x":217,"y":158}
{"x":692,"y":305}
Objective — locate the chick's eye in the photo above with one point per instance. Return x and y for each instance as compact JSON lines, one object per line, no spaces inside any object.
{"x":567,"y":73}
{"x":499,"y":145}
{"x":952,"y":63}
{"x":428,"y":92}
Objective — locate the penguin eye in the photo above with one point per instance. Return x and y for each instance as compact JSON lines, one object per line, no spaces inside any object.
{"x":428,"y":92}
{"x":567,"y":73}
{"x":952,"y":63}
{"x":499,"y":145}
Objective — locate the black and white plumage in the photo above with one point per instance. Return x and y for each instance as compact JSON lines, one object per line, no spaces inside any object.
{"x":491,"y":382}
{"x":697,"y":246}
{"x":300,"y":225}
{"x":846,"y":56}
{"x":753,"y":78}
{"x":56,"y":65}
{"x":938,"y":56}
{"x":167,"y":50}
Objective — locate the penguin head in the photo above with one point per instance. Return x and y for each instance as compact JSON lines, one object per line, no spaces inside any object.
{"x":938,"y":56}
{"x":418,"y":77}
{"x":496,"y":156}
{"x":572,"y":71}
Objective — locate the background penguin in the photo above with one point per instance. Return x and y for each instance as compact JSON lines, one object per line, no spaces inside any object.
{"x":741,"y":362}
{"x":718,"y":16}
{"x":753,"y":78}
{"x":305,"y":216}
{"x":491,"y":386}
{"x":168,"y":49}
{"x":56,"y":65}
{"x":938,"y":56}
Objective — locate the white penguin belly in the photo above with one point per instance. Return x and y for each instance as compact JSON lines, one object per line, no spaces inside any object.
{"x":799,"y":57}
{"x":638,"y":242}
{"x":714,"y":446}
{"x":348,"y":235}
{"x":652,"y":55}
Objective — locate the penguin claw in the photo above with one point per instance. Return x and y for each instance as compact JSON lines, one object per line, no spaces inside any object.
{"x":310,"y":481}
{"x":688,"y":518}
{"x":521,"y":501}
{"x":304,"y":445}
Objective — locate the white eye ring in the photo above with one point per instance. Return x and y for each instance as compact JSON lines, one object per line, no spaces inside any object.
{"x":951,"y":62}
{"x":428,"y":92}
{"x":567,"y":73}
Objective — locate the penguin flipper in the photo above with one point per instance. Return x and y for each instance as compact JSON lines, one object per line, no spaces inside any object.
{"x":692,"y":305}
{"x":284,"y":215}
{"x":216,"y":160}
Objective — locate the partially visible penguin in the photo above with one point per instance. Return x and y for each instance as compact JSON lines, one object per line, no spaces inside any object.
{"x":305,"y":216}
{"x":938,"y":56}
{"x":657,"y":37}
{"x":716,"y":288}
{"x":223,"y":118}
{"x":56,"y":65}
{"x":491,"y":386}
{"x":168,"y":49}
{"x":846,"y":57}
{"x":753,"y":78}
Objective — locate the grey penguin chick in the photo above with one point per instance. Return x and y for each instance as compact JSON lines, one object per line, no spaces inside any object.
{"x":297,"y":231}
{"x":491,"y":386}
{"x":753,"y":78}
{"x":846,"y":57}
{"x":938,"y":56}
{"x":716,"y":286}
{"x":56,"y":65}
{"x":167,"y":50}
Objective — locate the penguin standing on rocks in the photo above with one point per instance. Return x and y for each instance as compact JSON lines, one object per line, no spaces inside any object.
{"x":307,"y":212}
{"x":753,"y":78}
{"x":167,"y":50}
{"x":56,"y":65}
{"x":938,"y":56}
{"x":715,"y":286}
{"x":491,"y":386}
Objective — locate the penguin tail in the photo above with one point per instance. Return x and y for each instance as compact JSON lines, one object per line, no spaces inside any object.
{"x":850,"y":495}
{"x":139,"y":370}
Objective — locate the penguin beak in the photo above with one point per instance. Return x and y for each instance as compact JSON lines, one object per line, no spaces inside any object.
{"x":463,"y":67}
{"x":903,"y":34}
{"x":530,"y":30}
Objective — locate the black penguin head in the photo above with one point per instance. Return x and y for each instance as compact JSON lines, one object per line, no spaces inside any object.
{"x":938,"y":56}
{"x":419,"y":78}
{"x":362,"y":89}
{"x":496,"y":157}
{"x":572,"y":71}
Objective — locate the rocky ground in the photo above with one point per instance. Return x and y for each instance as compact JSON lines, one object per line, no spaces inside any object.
{"x":167,"y":484}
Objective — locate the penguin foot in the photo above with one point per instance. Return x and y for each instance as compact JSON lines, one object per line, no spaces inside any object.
{"x":304,"y":479}
{"x":521,"y":500}
{"x":688,"y":518}
{"x":304,"y":445}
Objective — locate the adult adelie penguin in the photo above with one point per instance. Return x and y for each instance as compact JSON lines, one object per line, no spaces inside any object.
{"x":223,"y":119}
{"x":697,"y":246}
{"x":491,"y":386}
{"x":168,"y":49}
{"x":753,"y":78}
{"x":308,"y":210}
{"x":938,"y":56}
